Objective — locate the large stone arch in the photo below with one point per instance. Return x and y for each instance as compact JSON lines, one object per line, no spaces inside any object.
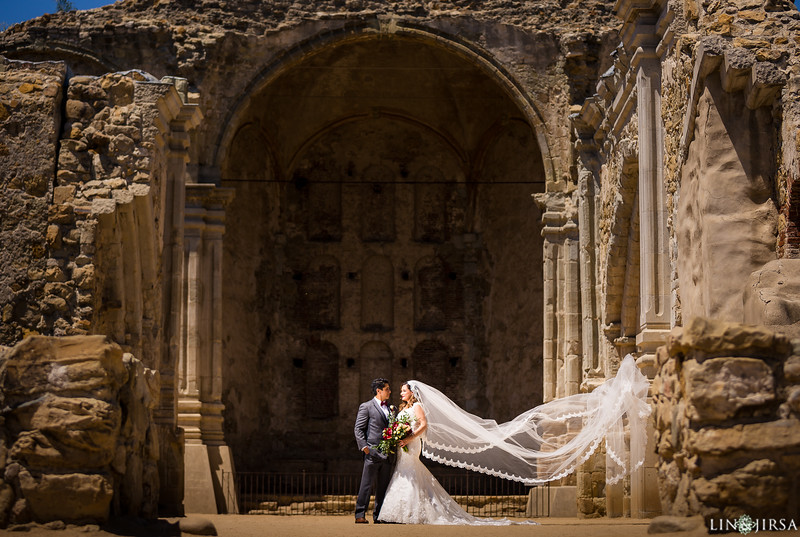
{"x":349,"y":133}
{"x":370,"y":29}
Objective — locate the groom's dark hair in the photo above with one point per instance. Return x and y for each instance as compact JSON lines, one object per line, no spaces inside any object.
{"x":378,"y":384}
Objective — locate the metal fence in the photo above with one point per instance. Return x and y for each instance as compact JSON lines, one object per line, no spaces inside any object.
{"x":309,"y":493}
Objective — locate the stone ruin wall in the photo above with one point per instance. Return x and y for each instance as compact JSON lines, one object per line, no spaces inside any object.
{"x":727,"y":415}
{"x":758,"y":43}
{"x":751,"y":30}
{"x":84,"y":235}
{"x":30,"y":112}
{"x":79,"y":442}
{"x":103,"y":207}
{"x":554,"y":56}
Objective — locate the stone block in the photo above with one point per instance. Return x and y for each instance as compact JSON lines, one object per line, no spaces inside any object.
{"x":776,"y":435}
{"x":671,"y":524}
{"x":715,"y":337}
{"x":195,"y":525}
{"x":719,"y":387}
{"x":38,"y":364}
{"x":756,"y":486}
{"x":791,"y":369}
{"x":81,"y":426}
{"x":772,"y":294}
{"x":67,"y":497}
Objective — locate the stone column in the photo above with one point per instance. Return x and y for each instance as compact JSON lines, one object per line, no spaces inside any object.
{"x":200,"y":369}
{"x":572,"y":311}
{"x":654,"y":321}
{"x":562,"y":313}
{"x":549,"y":366}
{"x":178,"y":119}
{"x":654,"y":306}
{"x":588,"y":278}
{"x":562,"y":319}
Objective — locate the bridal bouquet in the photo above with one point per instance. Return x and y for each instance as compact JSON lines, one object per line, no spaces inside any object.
{"x":399,"y":428}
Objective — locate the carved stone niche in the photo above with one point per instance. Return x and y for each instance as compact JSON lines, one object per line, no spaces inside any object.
{"x":321,"y":366}
{"x":429,"y":295}
{"x":430,"y":206}
{"x":377,"y":294}
{"x":377,"y":201}
{"x":319,"y":294}
{"x":375,"y":361}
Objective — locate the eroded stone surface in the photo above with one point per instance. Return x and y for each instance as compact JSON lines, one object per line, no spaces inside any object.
{"x":772,"y":296}
{"x":727,"y":427}
{"x":719,"y":387}
{"x":79,"y":430}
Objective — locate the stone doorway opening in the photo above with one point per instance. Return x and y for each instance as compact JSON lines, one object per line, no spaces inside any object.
{"x":383,"y":225}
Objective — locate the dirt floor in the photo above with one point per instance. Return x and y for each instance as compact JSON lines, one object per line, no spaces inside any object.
{"x":343,"y":526}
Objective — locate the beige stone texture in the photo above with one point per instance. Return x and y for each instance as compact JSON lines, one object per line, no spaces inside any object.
{"x":70,"y":497}
{"x":727,"y":429}
{"x":718,"y":388}
{"x":79,"y":430}
{"x":772,"y":296}
{"x":726,"y":218}
{"x":715,"y":338}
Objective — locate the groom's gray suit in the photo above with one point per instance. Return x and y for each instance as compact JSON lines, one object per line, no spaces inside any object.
{"x":370,"y":422}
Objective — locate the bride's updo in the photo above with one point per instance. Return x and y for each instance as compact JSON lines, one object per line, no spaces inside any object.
{"x":411,"y":400}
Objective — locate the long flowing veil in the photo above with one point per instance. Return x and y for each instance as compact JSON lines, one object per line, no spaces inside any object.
{"x":547,"y":442}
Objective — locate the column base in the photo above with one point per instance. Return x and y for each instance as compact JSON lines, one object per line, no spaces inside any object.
{"x":645,"y":499}
{"x":224,"y":483}
{"x":199,"y":495}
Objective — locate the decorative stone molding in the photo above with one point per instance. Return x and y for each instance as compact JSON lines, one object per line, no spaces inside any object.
{"x":739,"y":70}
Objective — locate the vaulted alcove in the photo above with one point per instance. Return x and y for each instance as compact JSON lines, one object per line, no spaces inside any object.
{"x":383,"y":207}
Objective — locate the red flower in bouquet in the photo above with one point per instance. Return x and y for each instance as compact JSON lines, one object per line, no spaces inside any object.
{"x":399,"y":428}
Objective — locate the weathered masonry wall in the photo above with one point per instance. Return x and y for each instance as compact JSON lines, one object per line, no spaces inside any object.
{"x":78,"y":438}
{"x":89,"y":223}
{"x":30,"y":124}
{"x":727,"y":411}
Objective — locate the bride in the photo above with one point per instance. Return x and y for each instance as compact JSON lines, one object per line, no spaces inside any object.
{"x":414,"y":496}
{"x":540,"y":445}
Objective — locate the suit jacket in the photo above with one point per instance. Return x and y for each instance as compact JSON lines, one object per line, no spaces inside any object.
{"x":370,"y":423}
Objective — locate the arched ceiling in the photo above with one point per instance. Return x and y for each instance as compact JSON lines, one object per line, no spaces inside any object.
{"x":374,"y":76}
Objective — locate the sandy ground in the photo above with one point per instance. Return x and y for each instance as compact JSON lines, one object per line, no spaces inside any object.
{"x":343,"y":526}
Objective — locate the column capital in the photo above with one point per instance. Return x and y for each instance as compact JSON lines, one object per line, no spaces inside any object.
{"x":560,"y":214}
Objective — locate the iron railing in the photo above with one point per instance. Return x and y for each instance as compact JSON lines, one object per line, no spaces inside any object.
{"x":310,"y":493}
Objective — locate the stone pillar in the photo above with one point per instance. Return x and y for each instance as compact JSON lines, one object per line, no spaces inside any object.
{"x":654,"y":306}
{"x":549,"y":373}
{"x":654,"y":321}
{"x":588,"y":279}
{"x":562,"y":313}
{"x":200,"y":364}
{"x":572,"y":311}
{"x":178,"y":119}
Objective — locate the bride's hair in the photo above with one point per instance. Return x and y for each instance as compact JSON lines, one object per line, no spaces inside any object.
{"x":412,"y":399}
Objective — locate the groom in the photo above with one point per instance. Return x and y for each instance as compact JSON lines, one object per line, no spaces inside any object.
{"x":372,"y":418}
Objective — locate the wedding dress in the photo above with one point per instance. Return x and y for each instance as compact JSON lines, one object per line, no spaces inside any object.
{"x":414,"y":496}
{"x":540,"y":445}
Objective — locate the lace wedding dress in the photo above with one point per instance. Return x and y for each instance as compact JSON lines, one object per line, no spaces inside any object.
{"x":540,"y":445}
{"x":414,"y":496}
